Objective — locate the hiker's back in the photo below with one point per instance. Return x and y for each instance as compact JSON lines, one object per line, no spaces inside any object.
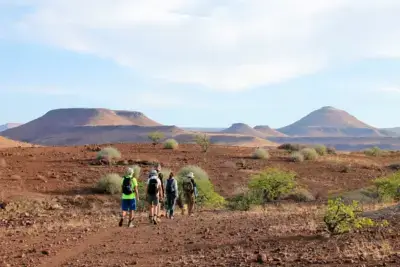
{"x":153,"y":185}
{"x":188,"y":186}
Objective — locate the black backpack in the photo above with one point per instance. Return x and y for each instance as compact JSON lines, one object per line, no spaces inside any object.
{"x":170,"y":188}
{"x":127,"y":186}
{"x":152,"y":188}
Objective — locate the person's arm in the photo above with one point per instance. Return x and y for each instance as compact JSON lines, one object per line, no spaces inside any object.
{"x":161,"y":177}
{"x":137,"y":190}
{"x":176,"y":188}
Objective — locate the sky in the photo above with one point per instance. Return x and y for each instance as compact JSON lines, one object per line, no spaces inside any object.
{"x":202,"y":63}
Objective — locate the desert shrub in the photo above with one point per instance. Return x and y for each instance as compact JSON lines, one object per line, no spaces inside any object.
{"x":171,"y":144}
{"x":243,"y":201}
{"x":331,"y":150}
{"x":155,"y":137}
{"x":271,"y":184}
{"x":309,"y":153}
{"x":203,"y":140}
{"x":388,"y":187}
{"x":261,"y":153}
{"x":394,"y":166}
{"x":291,"y":147}
{"x":373,"y":152}
{"x":109,"y":154}
{"x":207,"y":197}
{"x":136,"y":171}
{"x":341,"y":218}
{"x":301,"y":195}
{"x":321,"y":150}
{"x":296,"y":157}
{"x":109,"y":184}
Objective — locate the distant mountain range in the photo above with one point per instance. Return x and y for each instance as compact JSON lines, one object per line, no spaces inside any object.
{"x":8,"y":126}
{"x":79,"y":126}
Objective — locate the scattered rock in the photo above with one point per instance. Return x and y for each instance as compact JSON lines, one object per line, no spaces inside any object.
{"x":3,"y":163}
{"x":261,"y":258}
{"x":45,"y":252}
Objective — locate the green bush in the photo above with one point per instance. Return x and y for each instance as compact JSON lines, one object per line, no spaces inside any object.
{"x":388,"y":187}
{"x":244,"y":201}
{"x":260,"y":153}
{"x":109,"y":184}
{"x":207,"y":197}
{"x":203,"y":140}
{"x":341,"y":218}
{"x":109,"y":154}
{"x":296,"y":157}
{"x":271,"y":184}
{"x":155,"y":137}
{"x":321,"y":150}
{"x":171,"y":144}
{"x":373,"y":152}
{"x":309,"y":153}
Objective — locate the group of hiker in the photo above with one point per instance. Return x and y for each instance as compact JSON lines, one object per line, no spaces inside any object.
{"x":159,"y":195}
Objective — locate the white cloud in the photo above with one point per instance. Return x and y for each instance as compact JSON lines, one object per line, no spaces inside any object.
{"x":229,"y":45}
{"x":390,"y":90}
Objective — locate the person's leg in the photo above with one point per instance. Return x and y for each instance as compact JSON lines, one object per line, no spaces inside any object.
{"x":132,"y":208}
{"x":124,"y":209}
{"x":191,"y":204}
{"x":172,"y":208}
{"x":151,"y":208}
{"x":156,"y":203}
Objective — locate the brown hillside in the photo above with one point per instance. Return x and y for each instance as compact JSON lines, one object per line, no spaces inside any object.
{"x":243,"y":129}
{"x":332,"y":122}
{"x":62,"y":120}
{"x":268,"y":131}
{"x":7,"y":143}
{"x":229,"y":140}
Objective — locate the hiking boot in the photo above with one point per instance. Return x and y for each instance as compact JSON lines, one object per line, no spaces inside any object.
{"x":121,"y":222}
{"x":155,"y":220}
{"x":130,"y":224}
{"x":172,"y":217}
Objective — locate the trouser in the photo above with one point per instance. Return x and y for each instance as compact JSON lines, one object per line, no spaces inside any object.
{"x":189,"y":197}
{"x":171,"y":201}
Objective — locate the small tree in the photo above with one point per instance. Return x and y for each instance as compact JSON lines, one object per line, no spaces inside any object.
{"x":155,"y":137}
{"x":271,"y":184}
{"x":341,"y":218}
{"x":203,"y":140}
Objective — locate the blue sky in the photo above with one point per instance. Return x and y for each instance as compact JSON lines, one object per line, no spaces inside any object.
{"x":201,"y":63}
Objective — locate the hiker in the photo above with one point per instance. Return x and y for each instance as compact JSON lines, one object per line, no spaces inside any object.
{"x":171,"y":190}
{"x":130,"y":196}
{"x":154,"y":194}
{"x":161,"y":177}
{"x":190,"y":192}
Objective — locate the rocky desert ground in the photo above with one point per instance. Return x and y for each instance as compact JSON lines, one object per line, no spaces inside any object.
{"x":51,"y":216}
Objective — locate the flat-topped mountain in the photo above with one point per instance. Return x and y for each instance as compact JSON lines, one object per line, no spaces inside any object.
{"x":329,"y":121}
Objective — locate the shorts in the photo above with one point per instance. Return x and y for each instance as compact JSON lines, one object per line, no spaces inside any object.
{"x":153,"y":199}
{"x":128,"y":204}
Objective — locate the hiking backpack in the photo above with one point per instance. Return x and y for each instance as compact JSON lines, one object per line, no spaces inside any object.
{"x":127,"y":186}
{"x":170,"y":188}
{"x":188,"y":186}
{"x":152,"y":188}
